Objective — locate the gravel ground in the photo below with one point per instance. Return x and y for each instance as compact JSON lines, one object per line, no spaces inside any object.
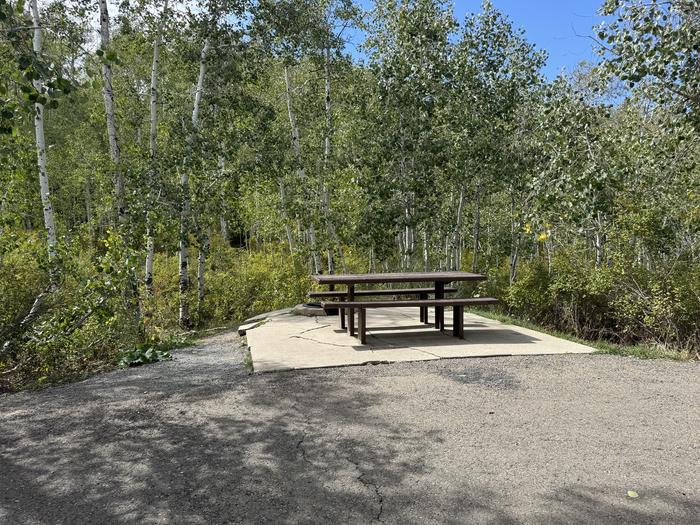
{"x":538,"y":439}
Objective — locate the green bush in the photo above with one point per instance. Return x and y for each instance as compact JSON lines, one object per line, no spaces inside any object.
{"x":529,"y":295}
{"x":663,"y":308}
{"x":621,"y":302}
{"x":243,"y":283}
{"x":83,"y":321}
{"x":22,"y":278}
{"x":580,"y":296}
{"x":142,"y":355}
{"x":88,"y":321}
{"x":238,"y":284}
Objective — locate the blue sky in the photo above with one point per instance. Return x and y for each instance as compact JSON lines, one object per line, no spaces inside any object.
{"x":549,"y":24}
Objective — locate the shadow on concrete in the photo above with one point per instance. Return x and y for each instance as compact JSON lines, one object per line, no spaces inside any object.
{"x":200,"y":441}
{"x":403,"y":327}
{"x":586,"y":504}
{"x":431,"y":337}
{"x":209,"y":444}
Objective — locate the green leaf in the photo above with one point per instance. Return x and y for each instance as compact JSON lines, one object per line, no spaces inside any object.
{"x":632,"y":494}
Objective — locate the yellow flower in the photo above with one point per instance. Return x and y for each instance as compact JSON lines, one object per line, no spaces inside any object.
{"x":542,"y":236}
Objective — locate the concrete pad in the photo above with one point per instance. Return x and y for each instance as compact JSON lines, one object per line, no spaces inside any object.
{"x":287,"y":342}
{"x":243,"y":329}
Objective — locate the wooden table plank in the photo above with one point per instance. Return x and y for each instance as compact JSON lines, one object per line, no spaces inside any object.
{"x":468,"y":301}
{"x":380,"y":292}
{"x":398,"y":277}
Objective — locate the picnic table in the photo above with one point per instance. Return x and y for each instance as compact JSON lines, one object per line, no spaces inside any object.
{"x":438,"y":280}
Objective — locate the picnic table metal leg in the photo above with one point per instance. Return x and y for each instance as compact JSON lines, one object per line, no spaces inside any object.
{"x":439,"y":310}
{"x":362,"y":325}
{"x":423,"y":309}
{"x":341,"y":313}
{"x":351,"y":311}
{"x":458,"y":321}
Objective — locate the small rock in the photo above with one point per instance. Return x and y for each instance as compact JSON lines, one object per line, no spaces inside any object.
{"x":308,"y":311}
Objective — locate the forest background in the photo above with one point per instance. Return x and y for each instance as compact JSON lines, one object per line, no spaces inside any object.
{"x":170,"y":167}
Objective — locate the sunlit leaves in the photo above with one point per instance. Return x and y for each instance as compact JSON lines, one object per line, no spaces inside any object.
{"x":658,"y":42}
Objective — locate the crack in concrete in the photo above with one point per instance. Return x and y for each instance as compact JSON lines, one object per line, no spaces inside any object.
{"x":302,"y":449}
{"x":372,"y":486}
{"x":378,"y":493}
{"x":317,"y":341}
{"x":316,"y":328}
{"x":425,"y":352}
{"x":369,"y":345}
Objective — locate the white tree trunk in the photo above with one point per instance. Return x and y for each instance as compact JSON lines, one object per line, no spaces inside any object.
{"x":183,"y":280}
{"x":223,"y":225}
{"x":150,"y":253}
{"x":185,"y":188}
{"x":285,"y":218}
{"x":3,"y":202}
{"x":426,"y":257}
{"x":599,"y":241}
{"x":296,"y":139}
{"x":49,"y":221}
{"x":329,"y":114}
{"x":108,"y":95}
{"x":150,"y":240}
{"x":296,"y":146}
{"x":476,"y":229}
{"x":409,"y":241}
{"x":449,"y":256}
{"x":456,"y":261}
{"x":325,"y":198}
{"x":332,"y":234}
{"x":88,"y":211}
{"x":200,"y":85}
{"x":314,"y":252}
{"x":515,"y":241}
{"x":201,"y":270}
{"x":154,"y":91}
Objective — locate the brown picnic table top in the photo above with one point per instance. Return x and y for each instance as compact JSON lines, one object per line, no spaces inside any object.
{"x":398,"y":277}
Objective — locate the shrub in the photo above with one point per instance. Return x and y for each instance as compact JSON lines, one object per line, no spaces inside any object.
{"x":141,"y":355}
{"x":22,"y":278}
{"x":529,"y":296}
{"x":82,"y":324}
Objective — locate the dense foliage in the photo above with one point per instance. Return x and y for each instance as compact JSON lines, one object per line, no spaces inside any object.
{"x":184,"y":166}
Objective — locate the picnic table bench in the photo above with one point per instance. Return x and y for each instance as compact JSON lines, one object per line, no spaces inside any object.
{"x":456,"y":304}
{"x":421,"y":293}
{"x":438,"y":290}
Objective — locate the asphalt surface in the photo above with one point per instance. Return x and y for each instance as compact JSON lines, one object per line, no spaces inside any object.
{"x":530,"y":439}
